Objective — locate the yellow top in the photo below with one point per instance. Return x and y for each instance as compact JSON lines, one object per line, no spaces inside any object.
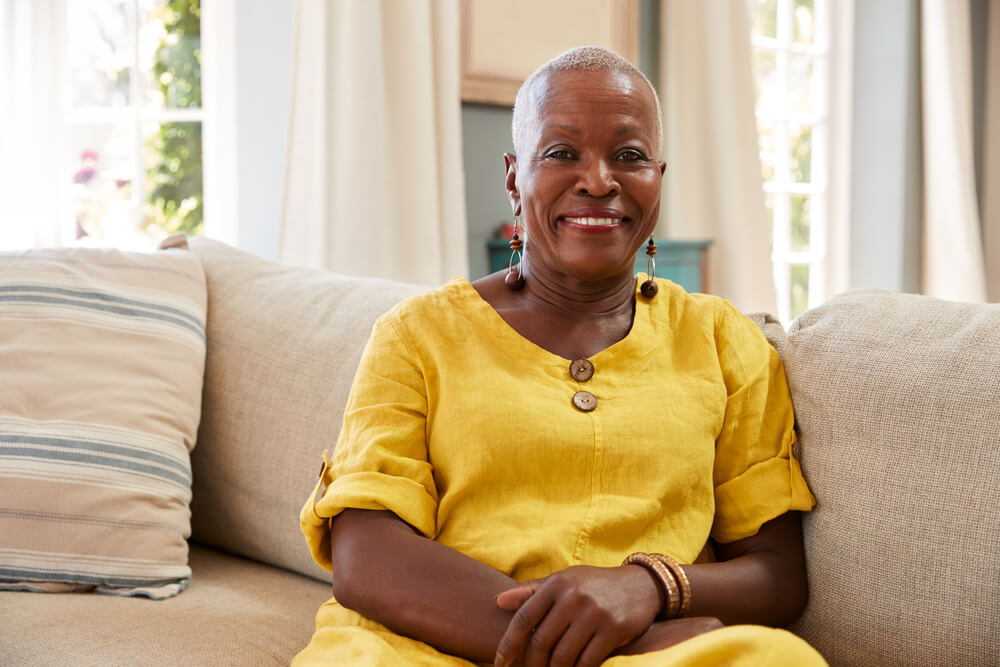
{"x":469,"y":433}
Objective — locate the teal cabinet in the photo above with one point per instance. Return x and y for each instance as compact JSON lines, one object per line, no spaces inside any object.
{"x":680,"y":261}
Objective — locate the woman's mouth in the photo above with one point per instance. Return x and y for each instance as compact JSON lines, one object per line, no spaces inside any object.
{"x":595,"y":222}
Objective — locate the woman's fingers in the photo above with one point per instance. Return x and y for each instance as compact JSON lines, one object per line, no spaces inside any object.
{"x":545,"y":636}
{"x":512,"y":598}
{"x":570,"y":645}
{"x":514,"y":641}
{"x":597,"y":649}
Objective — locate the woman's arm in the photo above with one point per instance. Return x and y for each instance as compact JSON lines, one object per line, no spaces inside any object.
{"x":759,"y":579}
{"x":388,"y":572}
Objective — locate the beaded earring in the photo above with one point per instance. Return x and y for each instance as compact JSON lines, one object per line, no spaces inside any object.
{"x":649,"y":288}
{"x":515,"y":282}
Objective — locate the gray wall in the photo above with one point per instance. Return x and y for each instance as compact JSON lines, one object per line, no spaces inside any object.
{"x":485,"y":138}
{"x":886,"y":150}
{"x":264,"y":31}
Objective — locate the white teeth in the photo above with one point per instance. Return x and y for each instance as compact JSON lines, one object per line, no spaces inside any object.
{"x":605,"y":222}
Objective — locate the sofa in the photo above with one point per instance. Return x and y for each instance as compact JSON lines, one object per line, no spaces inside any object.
{"x":898,"y":413}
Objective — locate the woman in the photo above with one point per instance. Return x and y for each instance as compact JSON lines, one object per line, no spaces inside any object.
{"x":542,"y":425}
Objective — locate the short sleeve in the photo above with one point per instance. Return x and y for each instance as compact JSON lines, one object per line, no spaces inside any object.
{"x":756,"y":475}
{"x":380,"y":461}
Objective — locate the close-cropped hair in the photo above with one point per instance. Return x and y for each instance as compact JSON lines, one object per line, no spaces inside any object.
{"x":579,"y":59}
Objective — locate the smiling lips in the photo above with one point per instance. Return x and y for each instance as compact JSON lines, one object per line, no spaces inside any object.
{"x":595,"y":222}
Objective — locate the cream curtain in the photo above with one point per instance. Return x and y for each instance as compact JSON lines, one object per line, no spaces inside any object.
{"x":32,"y":39}
{"x":374,"y":182}
{"x":713,"y":183}
{"x":953,"y":266}
{"x":991,"y":155}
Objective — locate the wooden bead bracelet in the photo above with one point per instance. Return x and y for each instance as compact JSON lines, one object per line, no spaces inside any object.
{"x":672,"y":580}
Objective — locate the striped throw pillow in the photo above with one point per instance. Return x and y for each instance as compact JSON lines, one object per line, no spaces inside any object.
{"x":102,"y":354}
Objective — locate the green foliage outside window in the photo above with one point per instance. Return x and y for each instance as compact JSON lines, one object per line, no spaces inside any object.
{"x":174,"y":174}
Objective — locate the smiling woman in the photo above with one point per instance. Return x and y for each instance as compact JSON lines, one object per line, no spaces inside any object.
{"x":543,"y":472}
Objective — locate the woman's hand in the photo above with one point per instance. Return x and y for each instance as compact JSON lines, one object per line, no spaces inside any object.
{"x":577,"y":616}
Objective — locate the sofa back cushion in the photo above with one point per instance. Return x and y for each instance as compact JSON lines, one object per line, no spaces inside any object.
{"x":101,"y":360}
{"x":897,"y":400}
{"x":283,"y":346}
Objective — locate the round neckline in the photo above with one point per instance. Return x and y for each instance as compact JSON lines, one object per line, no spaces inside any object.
{"x":636,"y":343}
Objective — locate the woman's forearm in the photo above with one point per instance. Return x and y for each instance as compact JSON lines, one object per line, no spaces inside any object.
{"x":762,"y":579}
{"x":417,"y":587}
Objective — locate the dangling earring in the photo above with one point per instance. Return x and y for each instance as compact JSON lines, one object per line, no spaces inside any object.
{"x":649,"y":287}
{"x":515,"y":282}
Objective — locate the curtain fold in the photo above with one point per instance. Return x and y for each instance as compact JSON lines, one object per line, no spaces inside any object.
{"x":32,"y":163}
{"x":374,"y":181}
{"x":713,"y":186}
{"x":953,"y":266}
{"x":991,"y":154}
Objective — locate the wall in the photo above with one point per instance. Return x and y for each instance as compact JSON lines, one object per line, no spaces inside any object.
{"x":886,"y":149}
{"x":264,"y":32}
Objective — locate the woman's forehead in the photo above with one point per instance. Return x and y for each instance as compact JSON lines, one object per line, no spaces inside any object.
{"x":592,"y":92}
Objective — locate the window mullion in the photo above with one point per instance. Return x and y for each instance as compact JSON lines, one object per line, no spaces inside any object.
{"x":136,"y":90}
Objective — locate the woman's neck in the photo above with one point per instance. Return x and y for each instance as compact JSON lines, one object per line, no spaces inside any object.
{"x":564,"y":296}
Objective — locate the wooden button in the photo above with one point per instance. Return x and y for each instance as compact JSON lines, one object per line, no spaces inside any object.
{"x":585,"y":401}
{"x":581,"y":370}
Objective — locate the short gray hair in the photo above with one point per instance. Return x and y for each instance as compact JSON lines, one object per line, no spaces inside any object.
{"x":579,"y":59}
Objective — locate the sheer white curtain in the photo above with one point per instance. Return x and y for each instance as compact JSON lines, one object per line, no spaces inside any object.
{"x":953,"y":266}
{"x":32,"y":43}
{"x":374,"y":182}
{"x":713,"y":186}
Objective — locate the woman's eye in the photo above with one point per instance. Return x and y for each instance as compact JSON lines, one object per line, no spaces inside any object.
{"x":631,"y":155}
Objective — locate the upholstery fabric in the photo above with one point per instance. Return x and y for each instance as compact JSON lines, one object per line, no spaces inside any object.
{"x":102,"y":354}
{"x":235,"y":612}
{"x":283,"y":347}
{"x":898,"y":406}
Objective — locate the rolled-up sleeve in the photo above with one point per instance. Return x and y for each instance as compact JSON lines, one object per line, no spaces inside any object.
{"x":380,"y":461}
{"x":756,"y":475}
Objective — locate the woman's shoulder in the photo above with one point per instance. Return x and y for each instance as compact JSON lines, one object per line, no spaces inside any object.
{"x":716,"y":316}
{"x":681,"y":303}
{"x":434,"y":309}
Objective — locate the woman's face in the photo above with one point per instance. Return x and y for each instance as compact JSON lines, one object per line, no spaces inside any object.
{"x":588,"y":180}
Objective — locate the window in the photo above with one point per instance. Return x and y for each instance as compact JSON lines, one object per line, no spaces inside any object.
{"x":134,"y":121}
{"x":790,"y":64}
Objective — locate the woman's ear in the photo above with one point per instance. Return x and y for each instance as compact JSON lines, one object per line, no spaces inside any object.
{"x":663,"y":168}
{"x":510,"y":182}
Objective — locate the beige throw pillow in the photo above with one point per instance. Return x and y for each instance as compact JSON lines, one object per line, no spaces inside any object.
{"x":101,"y":361}
{"x":897,"y":402}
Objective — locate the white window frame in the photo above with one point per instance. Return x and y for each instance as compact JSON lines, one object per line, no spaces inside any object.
{"x":781,"y":187}
{"x":137,"y":113}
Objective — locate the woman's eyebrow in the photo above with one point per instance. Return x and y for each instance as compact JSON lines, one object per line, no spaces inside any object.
{"x":627,"y":129}
{"x":569,"y":129}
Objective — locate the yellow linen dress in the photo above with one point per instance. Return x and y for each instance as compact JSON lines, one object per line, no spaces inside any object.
{"x":468,"y":432}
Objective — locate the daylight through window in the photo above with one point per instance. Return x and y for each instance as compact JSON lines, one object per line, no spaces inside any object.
{"x":135,"y":120}
{"x":790,"y":65}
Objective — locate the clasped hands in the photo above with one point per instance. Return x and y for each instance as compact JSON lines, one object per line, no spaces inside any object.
{"x":583,"y":614}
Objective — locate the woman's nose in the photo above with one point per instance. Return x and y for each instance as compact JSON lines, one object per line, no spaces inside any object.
{"x":597,"y":179}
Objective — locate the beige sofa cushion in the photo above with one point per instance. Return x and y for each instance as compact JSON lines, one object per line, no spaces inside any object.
{"x":235,"y":612}
{"x":283,"y":347}
{"x":897,"y":400}
{"x":101,"y":360}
